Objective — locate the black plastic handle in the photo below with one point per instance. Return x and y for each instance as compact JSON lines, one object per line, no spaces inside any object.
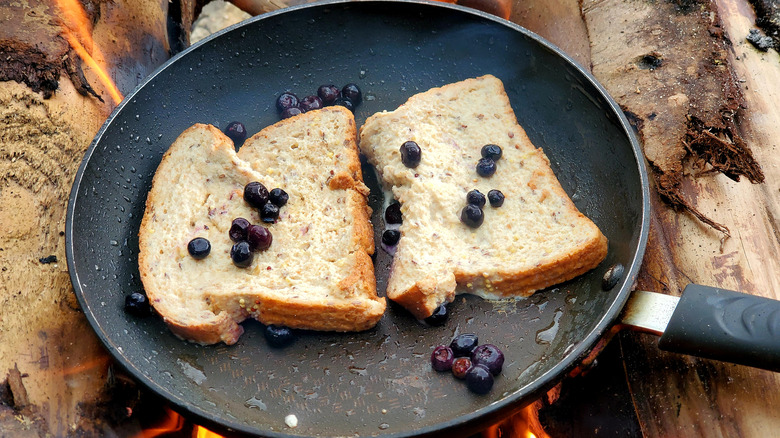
{"x":725,"y":325}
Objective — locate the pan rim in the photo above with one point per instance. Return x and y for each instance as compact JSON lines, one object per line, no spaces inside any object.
{"x":507,"y":405}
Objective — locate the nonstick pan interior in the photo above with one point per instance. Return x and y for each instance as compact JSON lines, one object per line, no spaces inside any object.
{"x":379,"y":381}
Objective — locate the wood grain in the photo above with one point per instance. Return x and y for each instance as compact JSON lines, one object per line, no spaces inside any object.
{"x":43,"y":334}
{"x":676,"y":395}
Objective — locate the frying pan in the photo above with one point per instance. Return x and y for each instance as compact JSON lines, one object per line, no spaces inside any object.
{"x":377,"y":382}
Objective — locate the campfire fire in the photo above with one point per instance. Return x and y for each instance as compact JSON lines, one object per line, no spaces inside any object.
{"x":524,"y":424}
{"x":77,"y":30}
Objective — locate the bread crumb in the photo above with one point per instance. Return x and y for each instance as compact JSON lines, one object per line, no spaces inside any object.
{"x":291,"y":421}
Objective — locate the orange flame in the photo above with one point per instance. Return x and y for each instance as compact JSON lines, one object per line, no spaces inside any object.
{"x":202,"y":432}
{"x":524,"y":424}
{"x":77,"y":29}
{"x":101,"y":361}
{"x":172,"y":422}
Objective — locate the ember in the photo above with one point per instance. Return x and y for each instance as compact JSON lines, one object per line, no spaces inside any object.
{"x":172,"y":422}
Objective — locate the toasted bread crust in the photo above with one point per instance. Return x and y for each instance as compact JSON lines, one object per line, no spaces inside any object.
{"x":537,"y":239}
{"x":318,"y":272}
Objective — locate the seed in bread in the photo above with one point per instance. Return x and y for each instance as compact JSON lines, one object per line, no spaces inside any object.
{"x":316,"y":275}
{"x":537,"y":238}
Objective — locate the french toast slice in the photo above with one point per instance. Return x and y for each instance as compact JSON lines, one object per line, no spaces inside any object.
{"x":536,"y":239}
{"x":317,"y":274}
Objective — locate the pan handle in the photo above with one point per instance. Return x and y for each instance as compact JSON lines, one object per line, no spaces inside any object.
{"x":725,"y":325}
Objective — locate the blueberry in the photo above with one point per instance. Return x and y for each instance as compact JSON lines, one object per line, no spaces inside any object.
{"x":411,"y":154}
{"x":286,"y":100}
{"x":439,"y":316}
{"x":346,"y":103}
{"x":479,"y":380}
{"x":278,"y":335}
{"x":489,"y":356}
{"x":460,"y":367}
{"x":278,"y":197}
{"x":611,"y":277}
{"x":391,"y":237}
{"x":472,"y":216}
{"x":199,"y":248}
{"x":137,"y":304}
{"x":289,"y":112}
{"x":491,"y":151}
{"x":269,"y":213}
{"x":328,"y":93}
{"x":241,"y":254}
{"x":236,"y":132}
{"x":475,"y":197}
{"x":259,"y":238}
{"x":393,"y":214}
{"x":464,"y":344}
{"x":310,"y":103}
{"x":486,"y":167}
{"x":238,"y":229}
{"x":441,"y":358}
{"x":496,"y":198}
{"x":352,"y":93}
{"x":255,"y":194}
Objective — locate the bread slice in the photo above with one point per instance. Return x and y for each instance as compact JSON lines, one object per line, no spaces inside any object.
{"x":316,"y":275}
{"x":536,"y":239}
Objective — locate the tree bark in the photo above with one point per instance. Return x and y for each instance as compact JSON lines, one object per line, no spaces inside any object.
{"x":685,"y":74}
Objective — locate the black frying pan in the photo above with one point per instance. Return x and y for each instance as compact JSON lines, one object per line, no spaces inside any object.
{"x":379,"y":381}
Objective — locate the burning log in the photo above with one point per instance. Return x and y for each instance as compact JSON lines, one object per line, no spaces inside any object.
{"x":65,"y":65}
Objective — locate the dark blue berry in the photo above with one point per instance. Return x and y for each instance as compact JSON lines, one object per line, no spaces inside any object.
{"x":489,"y":356}
{"x":479,"y":380}
{"x":612,"y":276}
{"x":241,"y":254}
{"x":259,"y":238}
{"x":411,"y":154}
{"x":236,"y":132}
{"x":285,"y":101}
{"x":439,"y":316}
{"x":328,"y":94}
{"x":238,"y":229}
{"x":137,"y":304}
{"x":464,"y":344}
{"x":278,"y":335}
{"x":475,"y":197}
{"x":199,"y":248}
{"x":461,"y":366}
{"x":393,"y":214}
{"x":255,"y":194}
{"x":310,"y":103}
{"x":472,"y":216}
{"x":278,"y":197}
{"x":491,"y":151}
{"x":391,"y":237}
{"x":496,"y":198}
{"x":441,"y":358}
{"x":486,"y":167}
{"x":289,"y":112}
{"x":269,"y":213}
{"x":352,"y":93}
{"x":346,"y":103}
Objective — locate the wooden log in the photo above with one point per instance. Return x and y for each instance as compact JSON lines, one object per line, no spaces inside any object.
{"x":52,"y":103}
{"x":676,"y":395}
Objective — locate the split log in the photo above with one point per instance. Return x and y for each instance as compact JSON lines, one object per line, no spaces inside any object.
{"x":52,"y":103}
{"x":685,"y":72}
